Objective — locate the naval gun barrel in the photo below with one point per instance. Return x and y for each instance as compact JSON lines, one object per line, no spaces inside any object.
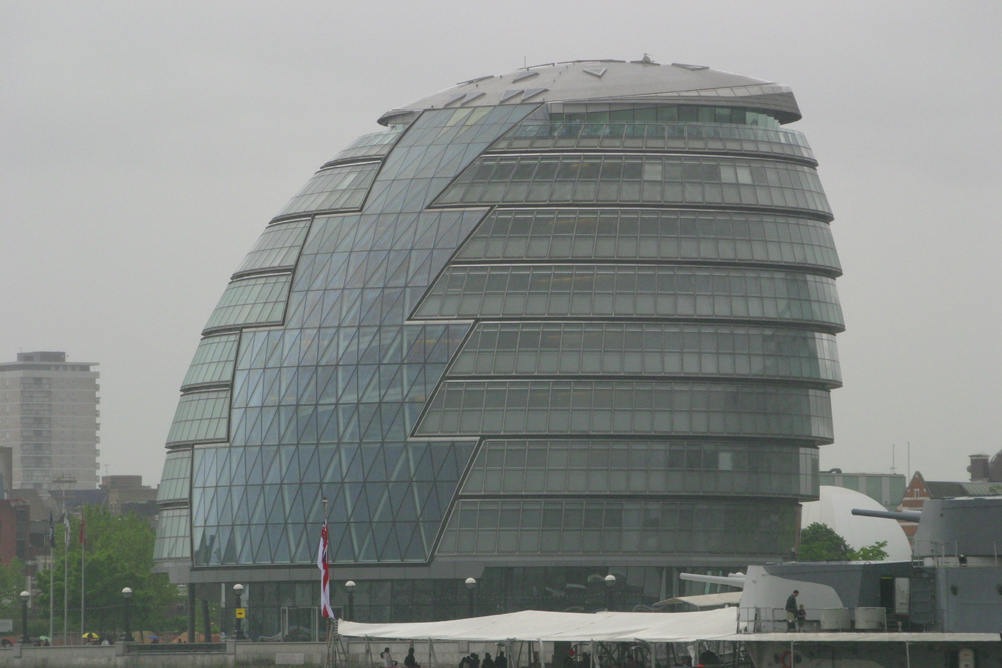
{"x":732,"y":580}
{"x":904,"y":515}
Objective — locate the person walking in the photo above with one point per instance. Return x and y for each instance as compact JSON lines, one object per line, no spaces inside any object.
{"x":791,"y":611}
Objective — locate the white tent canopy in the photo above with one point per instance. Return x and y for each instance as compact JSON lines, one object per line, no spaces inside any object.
{"x":534,"y":625}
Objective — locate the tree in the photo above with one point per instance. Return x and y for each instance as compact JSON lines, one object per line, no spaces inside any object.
{"x":11,"y":586}
{"x":118,"y":553}
{"x":873,"y":552}
{"x":819,"y":542}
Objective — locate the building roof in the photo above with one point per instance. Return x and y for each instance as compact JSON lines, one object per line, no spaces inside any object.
{"x":613,"y":81}
{"x":941,"y":489}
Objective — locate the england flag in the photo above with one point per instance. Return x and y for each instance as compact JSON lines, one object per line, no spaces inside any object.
{"x":325,"y":588}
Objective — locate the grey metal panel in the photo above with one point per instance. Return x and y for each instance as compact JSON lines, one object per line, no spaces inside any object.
{"x":971,"y":599}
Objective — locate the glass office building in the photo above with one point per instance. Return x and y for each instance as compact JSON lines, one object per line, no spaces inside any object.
{"x":563,"y":322}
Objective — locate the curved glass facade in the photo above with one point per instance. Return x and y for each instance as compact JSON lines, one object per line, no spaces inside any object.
{"x":688,"y":137}
{"x":646,"y":349}
{"x":651,"y":234}
{"x":523,"y":340}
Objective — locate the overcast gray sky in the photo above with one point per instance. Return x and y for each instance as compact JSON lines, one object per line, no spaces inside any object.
{"x":145,"y":145}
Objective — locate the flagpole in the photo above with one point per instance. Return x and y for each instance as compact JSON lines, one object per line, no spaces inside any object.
{"x":66,"y":576}
{"x":66,"y":582}
{"x":83,"y":574}
{"x":52,"y":570}
{"x":325,"y":583}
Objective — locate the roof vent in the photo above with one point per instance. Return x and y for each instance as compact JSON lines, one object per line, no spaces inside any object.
{"x":470,"y":97}
{"x":510,"y":93}
{"x":463,"y":83}
{"x":525,"y":75}
{"x":685,"y":66}
{"x":532,"y":92}
{"x":596,"y":73}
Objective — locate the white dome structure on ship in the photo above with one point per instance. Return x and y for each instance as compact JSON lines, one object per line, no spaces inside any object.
{"x":834,"y":509}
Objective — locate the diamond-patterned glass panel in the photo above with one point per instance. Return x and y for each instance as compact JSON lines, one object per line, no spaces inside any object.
{"x":332,"y":397}
{"x":404,"y":488}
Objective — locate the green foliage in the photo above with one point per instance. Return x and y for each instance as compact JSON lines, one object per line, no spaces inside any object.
{"x":118,"y":553}
{"x":11,"y":586}
{"x":873,"y":552}
{"x":819,"y":542}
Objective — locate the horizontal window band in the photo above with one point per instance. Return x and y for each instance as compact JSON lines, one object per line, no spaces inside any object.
{"x":674,"y":206}
{"x":672,"y":152}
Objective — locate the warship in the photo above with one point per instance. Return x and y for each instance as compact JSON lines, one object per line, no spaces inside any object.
{"x":943,"y":608}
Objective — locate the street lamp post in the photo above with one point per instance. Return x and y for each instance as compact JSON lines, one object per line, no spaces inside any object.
{"x":127,"y":594}
{"x":238,"y":589}
{"x":610,"y":583}
{"x":350,"y":588}
{"x":471,"y":585}
{"x":24,"y":617}
{"x":206,"y":622}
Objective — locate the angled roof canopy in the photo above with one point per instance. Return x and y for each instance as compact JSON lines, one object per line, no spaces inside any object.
{"x":617,"y":81}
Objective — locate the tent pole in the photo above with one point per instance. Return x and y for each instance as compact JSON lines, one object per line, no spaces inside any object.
{"x":650,"y":647}
{"x":431,"y":654}
{"x":594,"y":655}
{"x":542,"y":662}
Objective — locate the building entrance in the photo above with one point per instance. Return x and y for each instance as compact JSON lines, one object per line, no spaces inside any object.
{"x":300,"y":624}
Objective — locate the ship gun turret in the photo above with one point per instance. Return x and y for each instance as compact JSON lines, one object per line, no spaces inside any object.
{"x":962,"y":528}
